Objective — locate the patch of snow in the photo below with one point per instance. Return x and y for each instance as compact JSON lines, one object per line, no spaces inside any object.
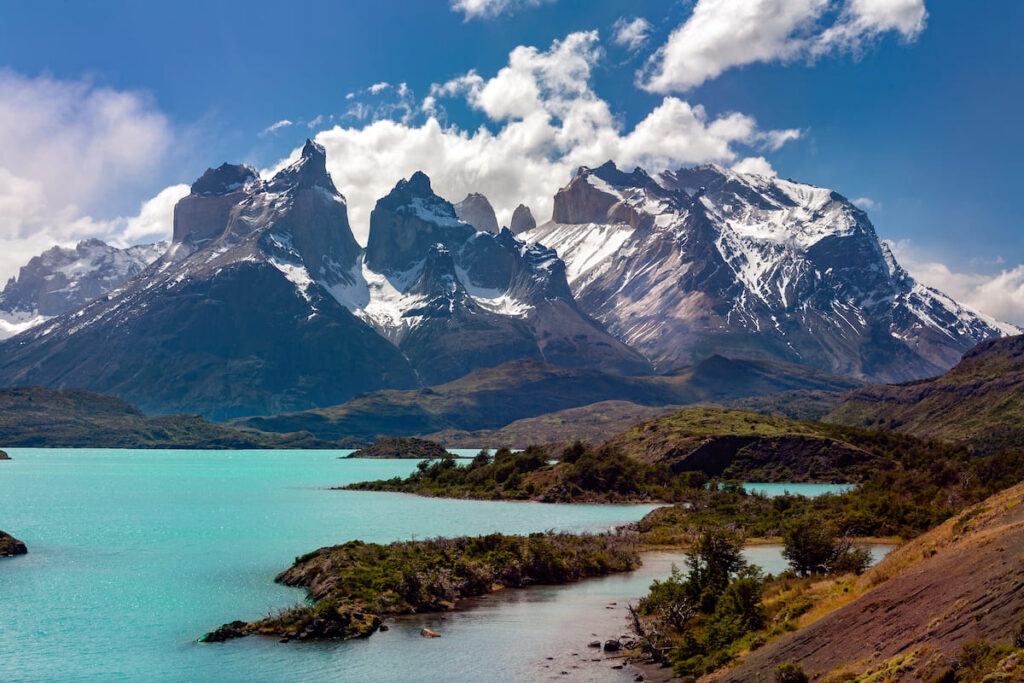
{"x":16,"y":322}
{"x":297,"y":275}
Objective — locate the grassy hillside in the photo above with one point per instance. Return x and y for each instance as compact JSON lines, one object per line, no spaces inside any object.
{"x":801,"y":404}
{"x":735,"y":444}
{"x":495,"y":397}
{"x":592,"y":423}
{"x":946,"y":606}
{"x":979,"y":402}
{"x":38,"y":417}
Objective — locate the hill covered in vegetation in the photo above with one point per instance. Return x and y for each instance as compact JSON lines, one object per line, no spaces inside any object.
{"x":72,"y":418}
{"x":491,"y":398}
{"x":979,"y":402}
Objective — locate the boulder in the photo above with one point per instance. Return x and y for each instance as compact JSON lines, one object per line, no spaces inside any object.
{"x":4,"y":456}
{"x":9,"y":546}
{"x":612,"y":645}
{"x":429,"y":633}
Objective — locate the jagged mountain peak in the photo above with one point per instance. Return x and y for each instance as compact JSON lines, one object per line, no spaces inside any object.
{"x":522,"y":220}
{"x":225,"y":179}
{"x":309,"y":171}
{"x":476,"y":210}
{"x":62,"y":279}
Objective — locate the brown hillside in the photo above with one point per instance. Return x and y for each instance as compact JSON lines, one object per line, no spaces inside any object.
{"x":960,"y":582}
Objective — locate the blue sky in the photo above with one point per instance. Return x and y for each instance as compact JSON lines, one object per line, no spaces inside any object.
{"x":910,"y":106}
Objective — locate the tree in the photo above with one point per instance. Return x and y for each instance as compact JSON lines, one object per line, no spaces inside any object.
{"x":715,"y":557}
{"x":813,"y":548}
{"x":668,"y":601}
{"x":809,"y":546}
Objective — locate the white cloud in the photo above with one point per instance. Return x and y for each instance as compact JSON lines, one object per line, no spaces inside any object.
{"x":68,"y":148}
{"x":631,"y":33}
{"x":378,"y":87}
{"x":155,"y":221}
{"x":864,"y":20}
{"x":722,"y":34}
{"x":546,"y":121}
{"x":274,"y":127}
{"x":867,"y":204}
{"x":1000,"y":295}
{"x":486,"y":9}
{"x":757,"y":165}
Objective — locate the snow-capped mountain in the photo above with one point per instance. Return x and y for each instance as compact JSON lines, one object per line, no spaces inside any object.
{"x":264,"y":303}
{"x":61,"y":279}
{"x":453,"y":297}
{"x":705,"y":260}
{"x":235,"y":319}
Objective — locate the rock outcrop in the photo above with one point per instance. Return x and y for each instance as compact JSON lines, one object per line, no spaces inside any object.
{"x":476,"y":210}
{"x":956,"y":584}
{"x":522,"y":220}
{"x":10,"y":546}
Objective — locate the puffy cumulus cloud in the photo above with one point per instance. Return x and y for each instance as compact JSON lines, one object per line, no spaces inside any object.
{"x":756,"y":165}
{"x":487,"y":9}
{"x":66,"y":149}
{"x":631,"y":33}
{"x":722,"y":34}
{"x":1000,"y":295}
{"x":546,"y":121}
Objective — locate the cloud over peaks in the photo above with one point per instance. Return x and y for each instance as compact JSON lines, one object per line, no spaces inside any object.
{"x":545,"y":120}
{"x":68,"y":148}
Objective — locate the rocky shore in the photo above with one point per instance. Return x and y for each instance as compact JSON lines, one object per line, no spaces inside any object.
{"x":10,"y":546}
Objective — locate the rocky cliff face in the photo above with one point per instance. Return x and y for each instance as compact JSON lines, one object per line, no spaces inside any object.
{"x":705,"y":260}
{"x":522,"y":220}
{"x":476,"y":210}
{"x":60,"y":280}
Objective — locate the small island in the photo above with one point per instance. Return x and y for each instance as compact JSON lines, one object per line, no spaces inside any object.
{"x":396,"y":447}
{"x":355,"y":585}
{"x":10,"y":546}
{"x":3,"y":455}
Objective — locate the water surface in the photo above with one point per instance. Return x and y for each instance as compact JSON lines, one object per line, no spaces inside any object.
{"x":134,"y":554}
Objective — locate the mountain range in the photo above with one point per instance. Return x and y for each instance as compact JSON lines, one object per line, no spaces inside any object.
{"x":707,"y":260}
{"x":263,"y":303}
{"x":60,"y":280}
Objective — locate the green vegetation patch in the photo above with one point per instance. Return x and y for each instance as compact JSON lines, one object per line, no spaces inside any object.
{"x":354,"y":585}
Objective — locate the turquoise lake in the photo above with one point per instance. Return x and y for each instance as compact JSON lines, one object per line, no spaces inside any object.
{"x":134,"y":554}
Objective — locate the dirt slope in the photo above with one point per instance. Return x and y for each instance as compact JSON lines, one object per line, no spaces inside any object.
{"x":960,"y":582}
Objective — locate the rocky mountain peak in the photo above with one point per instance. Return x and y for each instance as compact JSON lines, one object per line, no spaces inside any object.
{"x":437,"y":279}
{"x":61,"y":279}
{"x":476,"y":210}
{"x":407,"y":222}
{"x":310,"y":171}
{"x":225,"y":179}
{"x":522,"y":220}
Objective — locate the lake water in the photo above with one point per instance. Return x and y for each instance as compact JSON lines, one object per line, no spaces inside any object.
{"x":134,"y":554}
